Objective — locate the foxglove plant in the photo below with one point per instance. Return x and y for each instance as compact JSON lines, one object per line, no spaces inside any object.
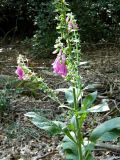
{"x":25,"y":74}
{"x":19,"y":71}
{"x":68,"y":50}
{"x":59,"y":65}
{"x":69,"y":43}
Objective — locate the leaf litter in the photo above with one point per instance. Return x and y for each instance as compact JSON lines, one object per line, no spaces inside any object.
{"x":19,"y":139}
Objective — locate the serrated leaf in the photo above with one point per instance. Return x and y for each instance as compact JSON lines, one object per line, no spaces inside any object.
{"x":99,"y":108}
{"x":105,"y":127}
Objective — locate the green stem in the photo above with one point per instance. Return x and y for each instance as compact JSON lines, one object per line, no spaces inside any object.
{"x":79,"y":141}
{"x":78,"y":134}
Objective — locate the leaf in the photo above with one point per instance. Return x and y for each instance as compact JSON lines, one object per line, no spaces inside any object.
{"x":69,"y":148}
{"x":71,"y":156}
{"x":87,"y":148}
{"x":99,"y":108}
{"x":88,"y":100}
{"x":69,"y":94}
{"x":110,"y":136}
{"x":43,"y":123}
{"x":59,"y":124}
{"x":70,"y":97}
{"x":68,"y":134}
{"x":73,"y":121}
{"x":105,"y":127}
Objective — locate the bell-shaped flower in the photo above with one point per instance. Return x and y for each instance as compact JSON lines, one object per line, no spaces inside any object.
{"x":19,"y":71}
{"x":72,"y":25}
{"x":59,"y":65}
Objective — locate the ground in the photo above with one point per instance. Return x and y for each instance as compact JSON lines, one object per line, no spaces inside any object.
{"x":19,"y":139}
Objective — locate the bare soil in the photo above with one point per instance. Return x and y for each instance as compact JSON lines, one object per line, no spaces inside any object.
{"x":19,"y":139}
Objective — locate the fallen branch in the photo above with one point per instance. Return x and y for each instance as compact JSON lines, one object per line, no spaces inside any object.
{"x":114,"y":148}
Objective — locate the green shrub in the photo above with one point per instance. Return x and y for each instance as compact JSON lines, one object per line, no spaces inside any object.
{"x":44,"y":38}
{"x":98,"y":20}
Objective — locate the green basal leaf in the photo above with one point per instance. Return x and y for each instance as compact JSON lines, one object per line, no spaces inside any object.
{"x":70,"y":156}
{"x":99,"y":108}
{"x":88,"y":100}
{"x":59,"y":124}
{"x":110,"y":136}
{"x":53,"y":127}
{"x":69,"y":148}
{"x":105,"y":127}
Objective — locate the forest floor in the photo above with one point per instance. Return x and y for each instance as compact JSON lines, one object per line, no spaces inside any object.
{"x":19,"y":139}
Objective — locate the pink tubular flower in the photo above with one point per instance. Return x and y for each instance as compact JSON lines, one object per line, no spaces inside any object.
{"x":72,"y":25}
{"x":19,"y":71}
{"x":59,"y":65}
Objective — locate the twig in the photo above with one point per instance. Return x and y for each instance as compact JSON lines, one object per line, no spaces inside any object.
{"x":48,"y":154}
{"x":116,"y":105}
{"x":114,"y":148}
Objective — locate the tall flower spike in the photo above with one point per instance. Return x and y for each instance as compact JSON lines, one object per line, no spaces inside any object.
{"x":59,"y":65}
